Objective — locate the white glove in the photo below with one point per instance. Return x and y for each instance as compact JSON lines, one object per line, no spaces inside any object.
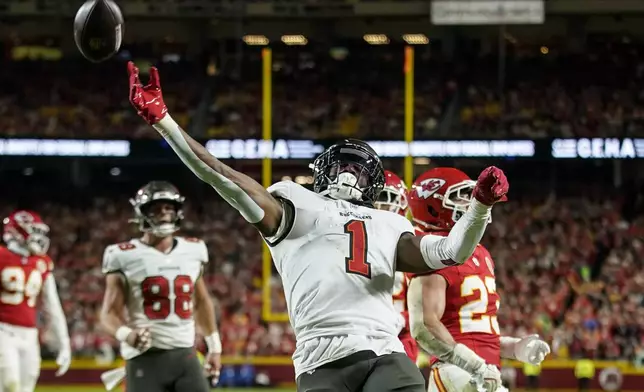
{"x":531,"y":349}
{"x":487,"y":379}
{"x":63,"y":360}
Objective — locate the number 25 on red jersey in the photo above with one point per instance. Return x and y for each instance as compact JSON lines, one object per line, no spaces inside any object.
{"x":474,"y":315}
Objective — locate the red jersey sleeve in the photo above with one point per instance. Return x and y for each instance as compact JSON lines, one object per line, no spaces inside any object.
{"x":451,"y":275}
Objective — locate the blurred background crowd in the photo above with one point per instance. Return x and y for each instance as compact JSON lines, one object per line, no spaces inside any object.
{"x":322,"y":93}
{"x":568,"y":246}
{"x":568,"y":267}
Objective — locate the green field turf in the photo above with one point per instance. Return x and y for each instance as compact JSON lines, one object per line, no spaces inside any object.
{"x":101,"y":389}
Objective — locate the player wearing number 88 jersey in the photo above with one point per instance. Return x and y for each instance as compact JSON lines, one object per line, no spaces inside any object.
{"x":156,"y":280}
{"x":25,"y":274}
{"x":453,"y":311}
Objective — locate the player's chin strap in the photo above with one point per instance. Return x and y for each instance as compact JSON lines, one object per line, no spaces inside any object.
{"x":228,"y":190}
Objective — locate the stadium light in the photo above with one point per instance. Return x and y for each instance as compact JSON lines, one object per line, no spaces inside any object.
{"x":416,"y":39}
{"x":544,"y":50}
{"x":376,"y":39}
{"x":255,"y":40}
{"x":294,"y":39}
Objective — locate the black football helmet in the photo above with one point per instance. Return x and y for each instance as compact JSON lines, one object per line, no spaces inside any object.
{"x":350,"y":170}
{"x":152,"y":192}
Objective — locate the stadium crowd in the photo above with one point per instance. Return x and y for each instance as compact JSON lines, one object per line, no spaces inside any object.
{"x":569,"y":269}
{"x":545,"y":92}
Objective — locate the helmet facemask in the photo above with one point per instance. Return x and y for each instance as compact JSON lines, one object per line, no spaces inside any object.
{"x":148,"y":219}
{"x":457,"y":198}
{"x":348,"y":172}
{"x":392,"y":199}
{"x":38,"y":240}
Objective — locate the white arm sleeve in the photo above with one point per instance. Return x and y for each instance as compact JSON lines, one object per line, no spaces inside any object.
{"x":228,"y":190}
{"x":441,"y":252}
{"x":52,"y":306}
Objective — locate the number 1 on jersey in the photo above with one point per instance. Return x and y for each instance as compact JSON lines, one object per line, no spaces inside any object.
{"x":357,"y":262}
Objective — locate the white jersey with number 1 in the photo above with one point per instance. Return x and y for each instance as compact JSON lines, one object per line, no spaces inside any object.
{"x":336,"y":260}
{"x":160,"y":288}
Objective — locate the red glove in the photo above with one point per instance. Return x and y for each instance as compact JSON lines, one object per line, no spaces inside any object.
{"x":147,"y":100}
{"x":491,"y":186}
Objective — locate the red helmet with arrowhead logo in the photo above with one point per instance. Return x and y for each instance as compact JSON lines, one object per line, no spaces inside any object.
{"x":26,"y":230}
{"x":439,"y":197}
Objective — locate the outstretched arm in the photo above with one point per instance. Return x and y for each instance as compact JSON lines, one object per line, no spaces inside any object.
{"x":251,"y":199}
{"x":430,"y":252}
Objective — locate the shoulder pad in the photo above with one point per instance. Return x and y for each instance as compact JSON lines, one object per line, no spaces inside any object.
{"x":282,"y":189}
{"x":125,"y":246}
{"x":111,"y":262}
{"x":198,"y":245}
{"x":50,"y":263}
{"x":298,"y":195}
{"x":399,"y":222}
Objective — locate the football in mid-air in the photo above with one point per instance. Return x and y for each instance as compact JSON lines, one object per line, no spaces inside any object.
{"x":98,"y":29}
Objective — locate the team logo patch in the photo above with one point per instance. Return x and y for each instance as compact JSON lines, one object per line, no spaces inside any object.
{"x":428,"y":187}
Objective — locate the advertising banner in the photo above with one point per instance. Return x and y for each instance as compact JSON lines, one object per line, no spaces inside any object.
{"x":487,"y":12}
{"x":285,"y":149}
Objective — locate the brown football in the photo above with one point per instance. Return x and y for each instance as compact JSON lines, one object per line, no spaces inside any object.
{"x":98,"y":29}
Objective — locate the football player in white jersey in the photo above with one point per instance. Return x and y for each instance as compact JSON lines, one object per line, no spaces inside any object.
{"x":335,"y":253}
{"x":156,"y":280}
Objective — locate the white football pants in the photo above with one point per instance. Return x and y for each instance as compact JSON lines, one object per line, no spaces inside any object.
{"x":19,"y":358}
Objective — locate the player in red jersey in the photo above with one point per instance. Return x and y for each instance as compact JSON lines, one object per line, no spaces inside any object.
{"x":25,"y":273}
{"x":453,"y":311}
{"x":394,"y":198}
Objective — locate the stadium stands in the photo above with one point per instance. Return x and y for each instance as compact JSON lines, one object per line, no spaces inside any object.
{"x":569,"y":268}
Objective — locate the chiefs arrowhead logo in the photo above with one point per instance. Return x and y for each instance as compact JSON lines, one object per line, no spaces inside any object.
{"x":428,"y":187}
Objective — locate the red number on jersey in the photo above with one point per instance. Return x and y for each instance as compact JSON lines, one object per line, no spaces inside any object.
{"x":357,"y":262}
{"x":126,"y":246}
{"x":183,"y":289}
{"x":156,"y":297}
